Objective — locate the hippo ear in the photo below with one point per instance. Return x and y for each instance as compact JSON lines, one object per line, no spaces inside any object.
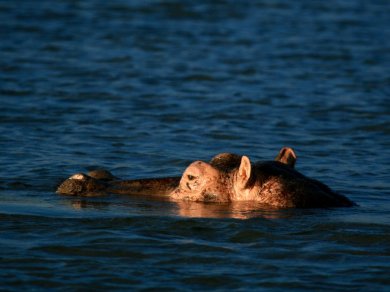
{"x":244,"y":171}
{"x":287,"y":156}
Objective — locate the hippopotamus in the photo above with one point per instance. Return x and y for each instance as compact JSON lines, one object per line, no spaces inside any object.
{"x":226,"y":178}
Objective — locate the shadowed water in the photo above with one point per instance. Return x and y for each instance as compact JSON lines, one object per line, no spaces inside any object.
{"x":143,"y":88}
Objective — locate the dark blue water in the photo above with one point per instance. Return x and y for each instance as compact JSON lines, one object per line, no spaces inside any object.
{"x":143,"y":88}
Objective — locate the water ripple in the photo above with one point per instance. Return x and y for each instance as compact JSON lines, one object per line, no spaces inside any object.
{"x":145,"y":87}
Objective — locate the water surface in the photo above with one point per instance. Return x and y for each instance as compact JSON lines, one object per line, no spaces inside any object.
{"x":143,"y":88}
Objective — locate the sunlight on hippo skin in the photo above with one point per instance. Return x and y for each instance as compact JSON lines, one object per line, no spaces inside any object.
{"x":202,"y":182}
{"x":227,"y":178}
{"x":275,"y":183}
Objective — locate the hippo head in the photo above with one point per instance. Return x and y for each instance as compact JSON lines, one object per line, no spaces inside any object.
{"x":202,"y":182}
{"x":228,"y":177}
{"x":81,"y":184}
{"x":215,"y":181}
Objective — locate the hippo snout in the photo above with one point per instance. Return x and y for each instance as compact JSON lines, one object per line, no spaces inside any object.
{"x":80,"y":184}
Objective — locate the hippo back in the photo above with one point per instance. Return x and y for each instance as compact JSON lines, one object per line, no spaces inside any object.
{"x":293,"y":188}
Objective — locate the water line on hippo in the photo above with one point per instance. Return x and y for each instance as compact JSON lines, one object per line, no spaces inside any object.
{"x":227,"y":178}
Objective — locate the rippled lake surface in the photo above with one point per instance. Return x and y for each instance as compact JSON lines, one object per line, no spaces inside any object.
{"x":143,"y":88}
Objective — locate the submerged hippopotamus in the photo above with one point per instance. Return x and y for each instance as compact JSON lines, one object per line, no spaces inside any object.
{"x":226,"y":178}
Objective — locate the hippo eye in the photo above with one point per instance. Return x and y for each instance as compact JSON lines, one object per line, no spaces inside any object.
{"x":190,"y":177}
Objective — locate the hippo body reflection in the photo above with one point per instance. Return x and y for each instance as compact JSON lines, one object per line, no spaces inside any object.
{"x":227,"y":178}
